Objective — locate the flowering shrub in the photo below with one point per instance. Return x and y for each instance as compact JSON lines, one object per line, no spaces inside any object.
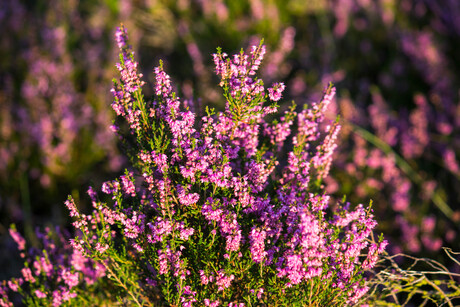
{"x":208,"y":215}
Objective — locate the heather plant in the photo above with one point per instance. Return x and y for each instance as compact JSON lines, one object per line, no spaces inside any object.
{"x":208,"y":215}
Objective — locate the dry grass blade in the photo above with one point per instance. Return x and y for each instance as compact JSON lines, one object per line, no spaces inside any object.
{"x":392,"y":284}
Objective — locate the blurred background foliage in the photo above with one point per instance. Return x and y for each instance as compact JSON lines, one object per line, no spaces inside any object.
{"x":395,"y":64}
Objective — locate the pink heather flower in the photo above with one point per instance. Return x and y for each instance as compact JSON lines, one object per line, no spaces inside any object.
{"x":383,"y":245}
{"x":70,"y":204}
{"x":134,"y":226}
{"x":294,"y":268}
{"x":163,"y":261}
{"x":71,"y":279}
{"x":185,"y":233}
{"x":20,"y":241}
{"x":92,"y":194}
{"x":323,"y":159}
{"x":78,"y":261}
{"x":114,"y":128}
{"x":163,"y":83}
{"x":13,"y":286}
{"x":400,"y":197}
{"x":186,"y":198}
{"x":279,"y":133}
{"x":220,"y":63}
{"x":223,"y":281}
{"x":101,"y":248}
{"x":450,"y":161}
{"x":129,"y":76}
{"x":40,"y":294}
{"x":47,"y":266}
{"x":207,"y":302}
{"x":203,"y":277}
{"x":67,"y":295}
{"x":57,"y":298}
{"x":372,"y":257}
{"x":329,"y":94}
{"x":121,"y":36}
{"x":161,"y":160}
{"x":257,"y":243}
{"x":319,"y":203}
{"x":433,"y":244}
{"x":27,"y":274}
{"x":428,"y":224}
{"x":145,"y":157}
{"x":110,"y":187}
{"x":259,"y":293}
{"x":128,"y":185}
{"x":275,"y":91}
{"x":233,"y":241}
{"x":355,"y":293}
{"x":257,"y":55}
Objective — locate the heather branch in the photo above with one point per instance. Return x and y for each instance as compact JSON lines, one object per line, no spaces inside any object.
{"x":115,"y":277}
